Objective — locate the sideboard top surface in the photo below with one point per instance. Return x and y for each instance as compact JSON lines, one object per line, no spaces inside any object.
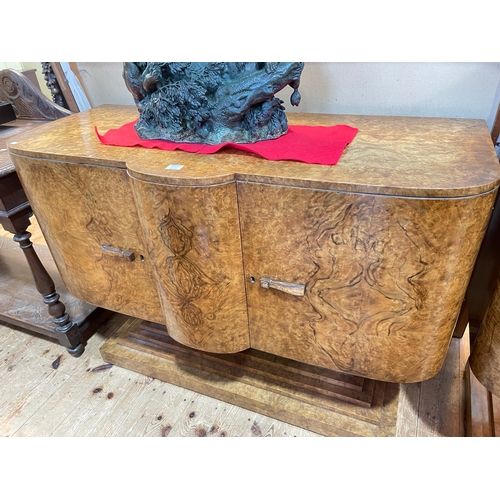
{"x":404,"y":156}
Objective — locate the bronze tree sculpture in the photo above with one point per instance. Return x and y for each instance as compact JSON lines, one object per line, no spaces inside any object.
{"x":211,"y":102}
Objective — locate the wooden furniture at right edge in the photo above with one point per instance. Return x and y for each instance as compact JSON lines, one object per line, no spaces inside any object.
{"x":358,"y":269}
{"x":482,"y":311}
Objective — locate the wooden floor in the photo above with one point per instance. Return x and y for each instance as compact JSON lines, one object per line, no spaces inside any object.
{"x":46,"y":392}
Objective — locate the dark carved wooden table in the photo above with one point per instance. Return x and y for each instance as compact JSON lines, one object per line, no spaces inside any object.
{"x":27,"y":109}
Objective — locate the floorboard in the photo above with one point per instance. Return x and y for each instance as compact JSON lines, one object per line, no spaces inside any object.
{"x":46,"y":392}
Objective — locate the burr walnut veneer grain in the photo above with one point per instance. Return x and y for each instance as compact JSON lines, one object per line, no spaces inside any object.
{"x":380,"y":246}
{"x":79,"y":209}
{"x":384,"y":278}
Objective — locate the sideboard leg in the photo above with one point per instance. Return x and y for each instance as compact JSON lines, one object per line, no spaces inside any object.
{"x":68,"y":333}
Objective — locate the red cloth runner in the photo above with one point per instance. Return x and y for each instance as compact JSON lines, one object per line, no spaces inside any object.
{"x":309,"y":144}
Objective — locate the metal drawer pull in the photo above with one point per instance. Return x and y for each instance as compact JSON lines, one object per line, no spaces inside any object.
{"x":283,"y":286}
{"x":126,"y":254}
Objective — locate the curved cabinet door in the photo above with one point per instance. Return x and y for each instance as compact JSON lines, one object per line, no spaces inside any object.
{"x":369,"y":285}
{"x":89,"y":219}
{"x":194,"y":242}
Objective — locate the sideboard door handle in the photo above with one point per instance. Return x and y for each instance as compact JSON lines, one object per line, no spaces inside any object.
{"x":291,"y":288}
{"x":125,"y":254}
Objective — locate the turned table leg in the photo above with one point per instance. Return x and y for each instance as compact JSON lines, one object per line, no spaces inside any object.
{"x":15,"y":212}
{"x":68,"y":333}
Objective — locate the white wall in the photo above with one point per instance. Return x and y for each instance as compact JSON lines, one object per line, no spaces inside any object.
{"x":455,"y":90}
{"x":11,"y":65}
{"x":104,"y":83}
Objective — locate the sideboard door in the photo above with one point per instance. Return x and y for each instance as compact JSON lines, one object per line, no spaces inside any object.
{"x":194,"y":243}
{"x":369,"y":285}
{"x":89,"y":219}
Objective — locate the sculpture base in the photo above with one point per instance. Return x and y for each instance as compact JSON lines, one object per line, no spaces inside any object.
{"x":322,"y":401}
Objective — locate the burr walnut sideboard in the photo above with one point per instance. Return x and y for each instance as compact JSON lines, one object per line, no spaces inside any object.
{"x":359,"y":267}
